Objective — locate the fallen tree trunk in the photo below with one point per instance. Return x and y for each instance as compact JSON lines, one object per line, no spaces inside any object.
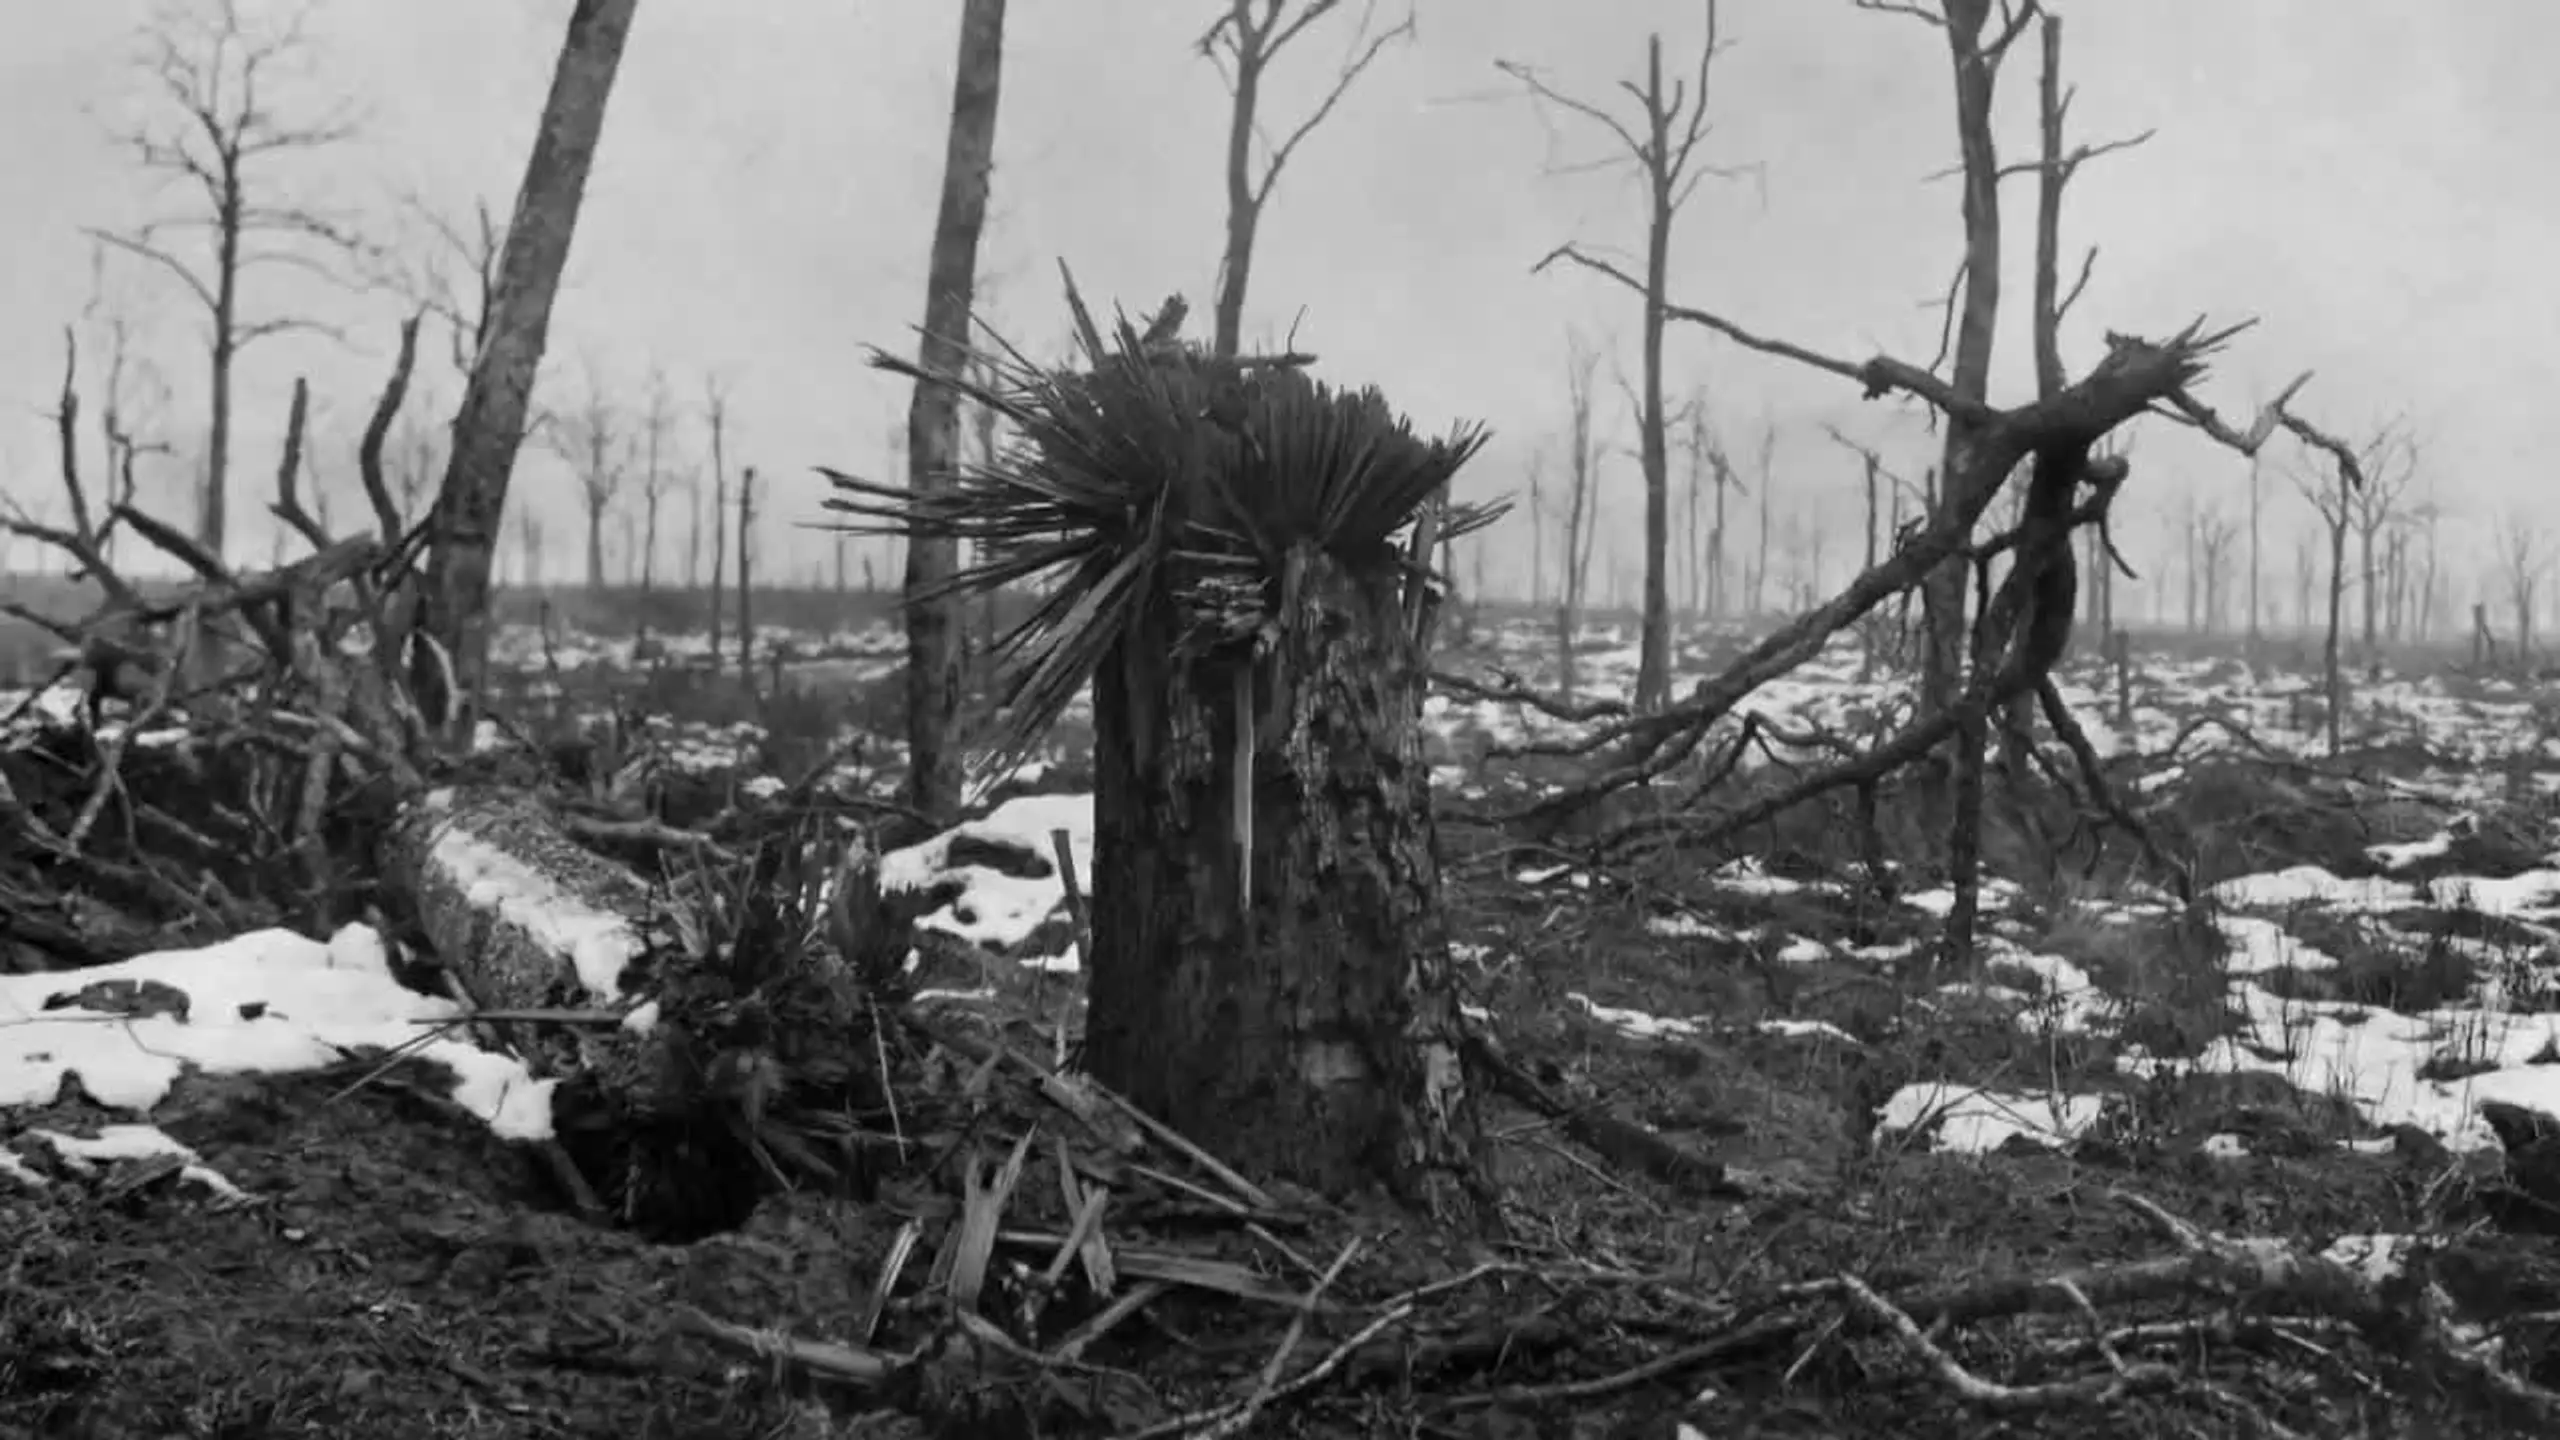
{"x":744,"y":1061}
{"x":522,"y":915}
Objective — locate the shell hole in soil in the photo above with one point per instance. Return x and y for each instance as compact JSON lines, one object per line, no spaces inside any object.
{"x":667,"y":1181}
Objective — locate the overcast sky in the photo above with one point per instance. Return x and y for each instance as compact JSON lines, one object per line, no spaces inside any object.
{"x":2363,"y":178}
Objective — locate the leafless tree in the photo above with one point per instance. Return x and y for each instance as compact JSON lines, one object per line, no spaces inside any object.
{"x":1660,"y":143}
{"x":2522,"y":558}
{"x":1874,"y":477}
{"x":1582,"y":479}
{"x":2191,"y":570}
{"x":133,"y":397}
{"x":2427,"y":518}
{"x":1537,"y":529}
{"x":1762,"y":479}
{"x":715,"y":419}
{"x":222,"y":136}
{"x":694,"y":536}
{"x":2374,"y":509}
{"x":494,"y":416}
{"x":2215,"y":535}
{"x":746,"y":578}
{"x":529,"y":543}
{"x":2257,"y":518}
{"x":934,"y":622}
{"x":2306,"y":576}
{"x":1243,"y":42}
{"x":416,"y":461}
{"x":589,"y":436}
{"x":1696,"y":434}
{"x":657,"y":425}
{"x":2332,"y":498}
{"x":452,"y":274}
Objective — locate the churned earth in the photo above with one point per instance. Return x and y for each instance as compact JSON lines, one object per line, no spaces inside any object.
{"x":264,"y":1188}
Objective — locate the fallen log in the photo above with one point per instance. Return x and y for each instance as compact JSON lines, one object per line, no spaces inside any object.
{"x":747,"y":1060}
{"x":525,"y":917}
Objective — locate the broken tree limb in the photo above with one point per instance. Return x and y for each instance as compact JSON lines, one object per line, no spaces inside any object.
{"x":2135,"y":375}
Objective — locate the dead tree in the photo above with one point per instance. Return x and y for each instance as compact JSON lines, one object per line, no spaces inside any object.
{"x":455,"y":278}
{"x":934,"y":619}
{"x":589,"y":437}
{"x":2521,"y":561}
{"x":1581,"y":478}
{"x":746,"y":579}
{"x":1243,"y":42}
{"x":2374,"y":510}
{"x":1763,"y":479}
{"x":415,"y":455}
{"x":133,"y":400}
{"x":715,"y":418}
{"x":2024,"y":624}
{"x":2333,"y":498}
{"x":657,"y":423}
{"x":1537,"y":529}
{"x":530,"y":539}
{"x":1695,"y":441}
{"x":2257,"y":564}
{"x":2215,"y":534}
{"x":2306,"y":578}
{"x":494,"y":416}
{"x":216,"y":75}
{"x":2427,"y":587}
{"x":1660,"y":143}
{"x":1874,"y":476}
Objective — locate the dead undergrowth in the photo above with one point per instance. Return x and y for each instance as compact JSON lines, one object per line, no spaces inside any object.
{"x":398,"y":1273}
{"x":1700,"y":1224}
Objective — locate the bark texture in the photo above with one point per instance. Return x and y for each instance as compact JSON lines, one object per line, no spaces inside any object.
{"x":933,"y":416}
{"x":496,"y":401}
{"x":523,"y":916}
{"x":1305,"y":1027}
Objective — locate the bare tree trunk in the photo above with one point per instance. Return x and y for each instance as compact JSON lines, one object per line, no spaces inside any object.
{"x":491,"y":423}
{"x":716,"y":413}
{"x":649,"y":502}
{"x":933,"y":415}
{"x":1953,"y":792}
{"x":746,"y":579}
{"x":1579,"y":524}
{"x":213,"y":516}
{"x":1695,"y":548}
{"x":595,"y":542}
{"x":1867,"y":649}
{"x":206,"y":68}
{"x":2257,"y":507}
{"x":693,"y":541}
{"x":1245,"y":43}
{"x":1719,"y":602}
{"x":1537,"y":534}
{"x":1653,"y":645}
{"x":1760,"y":557}
{"x":1293,"y":1012}
{"x":2337,"y":605}
{"x":1943,"y":595}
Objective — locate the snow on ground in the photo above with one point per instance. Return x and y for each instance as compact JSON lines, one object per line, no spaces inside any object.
{"x":991,"y":906}
{"x":269,"y":1001}
{"x":275,"y":1001}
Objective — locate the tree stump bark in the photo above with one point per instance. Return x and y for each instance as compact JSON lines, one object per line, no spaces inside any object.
{"x":1304,"y":1025}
